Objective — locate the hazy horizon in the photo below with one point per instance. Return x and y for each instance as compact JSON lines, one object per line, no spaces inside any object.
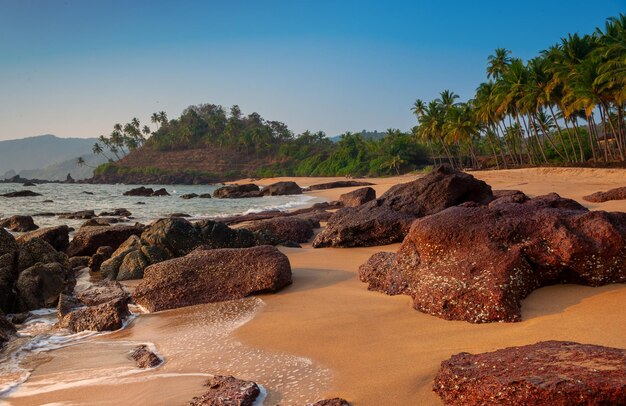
{"x":74,"y":69}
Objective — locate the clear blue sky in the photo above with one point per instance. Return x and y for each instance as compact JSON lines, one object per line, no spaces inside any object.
{"x":74,"y":68}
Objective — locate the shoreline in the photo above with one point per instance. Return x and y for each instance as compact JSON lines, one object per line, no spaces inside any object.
{"x":374,"y":348}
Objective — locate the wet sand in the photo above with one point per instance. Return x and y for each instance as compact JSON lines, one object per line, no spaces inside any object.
{"x":326,"y":335}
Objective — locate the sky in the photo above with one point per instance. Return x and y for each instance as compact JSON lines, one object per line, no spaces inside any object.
{"x":75,"y":68}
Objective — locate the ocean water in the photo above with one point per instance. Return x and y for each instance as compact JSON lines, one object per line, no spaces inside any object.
{"x":72,"y":197}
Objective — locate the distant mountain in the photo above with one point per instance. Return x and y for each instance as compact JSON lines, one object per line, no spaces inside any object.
{"x":41,"y":151}
{"x":60,"y":170}
{"x":368,"y":135}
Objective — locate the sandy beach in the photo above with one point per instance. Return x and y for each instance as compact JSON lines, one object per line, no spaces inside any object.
{"x":326,"y":335}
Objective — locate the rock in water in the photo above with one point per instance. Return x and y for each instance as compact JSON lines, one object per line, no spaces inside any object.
{"x":88,"y":239}
{"x":387,"y":220}
{"x":546,"y":373}
{"x":357,"y":197}
{"x":476,"y":263}
{"x":21,"y":193}
{"x":144,"y":358}
{"x":227,"y":390}
{"x":613,"y":194}
{"x":237,"y":191}
{"x":57,"y":236}
{"x":78,"y":215}
{"x":212,"y":275}
{"x":331,"y":402}
{"x":281,"y":189}
{"x":107,"y":316}
{"x":19,"y":224}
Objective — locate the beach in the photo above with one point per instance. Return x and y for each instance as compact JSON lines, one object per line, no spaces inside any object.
{"x":326,"y":335}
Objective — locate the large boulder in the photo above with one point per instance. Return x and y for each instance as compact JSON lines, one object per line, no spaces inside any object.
{"x":357,"y":197}
{"x":546,"y":373}
{"x":146,"y":192}
{"x":237,"y":191}
{"x":387,"y":219}
{"x":40,"y":285}
{"x":36,"y":251}
{"x":216,"y":234}
{"x":88,"y":239}
{"x":280,"y":229}
{"x":212,"y":275}
{"x":476,"y":263}
{"x":57,"y":236}
{"x":107,"y":316}
{"x":19,"y":224}
{"x":101,"y":255}
{"x":9,"y":251}
{"x":227,"y":390}
{"x":281,"y":188}
{"x":175,"y":236}
{"x":613,"y":194}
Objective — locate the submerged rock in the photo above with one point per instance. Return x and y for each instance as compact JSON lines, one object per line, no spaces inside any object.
{"x":227,"y":390}
{"x":476,"y":263}
{"x":78,"y":215}
{"x":387,"y":220}
{"x":212,"y":275}
{"x":19,"y":224}
{"x":546,"y":373}
{"x":21,"y":193}
{"x":144,"y":357}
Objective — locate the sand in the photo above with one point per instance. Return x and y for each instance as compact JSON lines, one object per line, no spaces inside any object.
{"x":327,"y":335}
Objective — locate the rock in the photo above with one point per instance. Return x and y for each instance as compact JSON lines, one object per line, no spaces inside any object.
{"x":508,"y":196}
{"x":176,"y":237}
{"x":280,"y":229}
{"x":189,"y":196}
{"x":211,"y":275}
{"x":88,"y":239}
{"x":144,"y":358}
{"x":218,"y":235}
{"x":78,"y":215}
{"x":205,"y":196}
{"x":160,"y":192}
{"x":140,"y":191}
{"x":69,"y":179}
{"x":237,"y":191}
{"x":331,"y":402}
{"x":121,"y":212}
{"x":338,"y":184}
{"x":86,"y":193}
{"x":35,"y":251}
{"x":21,"y":193}
{"x":107,"y":316}
{"x":132,"y":266}
{"x":47,"y":201}
{"x":613,"y":194}
{"x":66,"y":304}
{"x":101,"y":255}
{"x":102,"y":292}
{"x":179,"y":215}
{"x":141,"y":203}
{"x":227,"y":390}
{"x":19,"y":223}
{"x":79,"y":262}
{"x":40,"y":285}
{"x":357,"y":197}
{"x":281,"y":189}
{"x":545,"y":373}
{"x":480,"y":271}
{"x":100,"y":221}
{"x":57,"y":236}
{"x":110,"y":268}
{"x":290,"y":244}
{"x":29,"y":184}
{"x":387,"y":220}
{"x":7,"y":330}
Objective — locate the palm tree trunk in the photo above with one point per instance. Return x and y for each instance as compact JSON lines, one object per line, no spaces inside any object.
{"x":523,"y":140}
{"x":547,"y":136}
{"x":493,"y":149}
{"x":620,"y":147}
{"x":556,"y":123}
{"x":539,"y":143}
{"x":578,"y":141}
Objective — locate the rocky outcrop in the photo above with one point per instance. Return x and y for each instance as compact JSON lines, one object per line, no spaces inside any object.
{"x":387,"y":220}
{"x":78,"y":215}
{"x":21,"y":193}
{"x":338,"y":184}
{"x":146,"y":192}
{"x":40,"y":285}
{"x":613,"y":194}
{"x":476,"y":263}
{"x":546,"y":373}
{"x":19,"y":224}
{"x":281,"y":189}
{"x":100,"y":221}
{"x":57,"y":236}
{"x":189,"y":196}
{"x":119,"y":212}
{"x":227,"y":390}
{"x":278,"y":230}
{"x":331,"y":402}
{"x":107,"y":316}
{"x":237,"y":191}
{"x":88,"y":239}
{"x":357,"y":197}
{"x":144,"y":357}
{"x":101,"y":255}
{"x":171,"y":238}
{"x":212,"y":275}
{"x":79,"y":262}
{"x":38,"y":251}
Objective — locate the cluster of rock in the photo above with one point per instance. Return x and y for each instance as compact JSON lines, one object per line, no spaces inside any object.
{"x":146,"y":192}
{"x":194,"y":195}
{"x":19,"y":223}
{"x":252,"y":190}
{"x":387,"y":219}
{"x":601,"y":197}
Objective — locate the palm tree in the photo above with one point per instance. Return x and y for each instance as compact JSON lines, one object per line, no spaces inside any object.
{"x":498,"y":63}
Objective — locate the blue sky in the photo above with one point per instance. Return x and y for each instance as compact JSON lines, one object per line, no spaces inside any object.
{"x":74,"y":68}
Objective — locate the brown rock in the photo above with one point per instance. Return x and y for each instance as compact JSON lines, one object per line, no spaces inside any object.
{"x":477,"y":263}
{"x":212,"y":275}
{"x":144,"y":358}
{"x":120,"y":212}
{"x":281,"y":189}
{"x":19,"y":224}
{"x":226,"y":391}
{"x":78,"y":215}
{"x":237,"y":191}
{"x":102,"y":292}
{"x":38,"y":251}
{"x":57,"y":236}
{"x":331,"y":402}
{"x":108,"y":316}
{"x":21,"y":193}
{"x":147,"y":192}
{"x":357,"y":197}
{"x":280,"y":229}
{"x":7,"y":330}
{"x":338,"y":184}
{"x":546,"y":373}
{"x":79,"y":262}
{"x":613,"y":194}
{"x":39,"y":286}
{"x":101,"y":255}
{"x":88,"y":239}
{"x":66,"y":304}
{"x":387,"y":220}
